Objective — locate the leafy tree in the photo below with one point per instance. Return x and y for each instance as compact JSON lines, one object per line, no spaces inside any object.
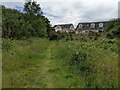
{"x":40,"y":23}
{"x":32,"y":8}
{"x":49,"y":27}
{"x":24,"y":25}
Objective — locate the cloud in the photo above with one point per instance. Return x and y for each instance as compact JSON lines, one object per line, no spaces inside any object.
{"x":66,"y":11}
{"x":82,"y":11}
{"x":48,"y":14}
{"x":75,"y":11}
{"x":119,"y":9}
{"x":13,"y":4}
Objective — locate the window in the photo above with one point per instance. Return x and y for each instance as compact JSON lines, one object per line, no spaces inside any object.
{"x":58,"y":28}
{"x":100,"y":25}
{"x":72,"y":27}
{"x":92,"y":25}
{"x":87,"y":25}
{"x":80,"y":26}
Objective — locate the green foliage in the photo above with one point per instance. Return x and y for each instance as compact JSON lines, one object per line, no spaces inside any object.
{"x":93,"y":35}
{"x":90,"y":60}
{"x":114,"y":29}
{"x":77,"y":58}
{"x":19,"y":25}
{"x":32,"y":8}
{"x":7,"y":44}
{"x":56,"y":35}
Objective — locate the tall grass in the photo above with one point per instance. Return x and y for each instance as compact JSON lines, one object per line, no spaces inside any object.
{"x":20,"y":62}
{"x":94,"y":61}
{"x":72,"y":64}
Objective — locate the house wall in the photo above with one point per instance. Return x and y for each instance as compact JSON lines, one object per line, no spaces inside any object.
{"x":63,"y":29}
{"x":72,"y":27}
{"x":58,"y":28}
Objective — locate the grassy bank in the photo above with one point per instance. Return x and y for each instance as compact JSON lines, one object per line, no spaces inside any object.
{"x":42,"y":63}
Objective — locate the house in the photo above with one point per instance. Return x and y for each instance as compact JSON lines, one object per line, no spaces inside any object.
{"x":91,"y":26}
{"x":64,"y":28}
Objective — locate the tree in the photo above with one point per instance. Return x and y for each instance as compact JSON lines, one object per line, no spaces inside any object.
{"x":49,"y":27}
{"x":34,"y":17}
{"x":32,"y":8}
{"x":18,"y":25}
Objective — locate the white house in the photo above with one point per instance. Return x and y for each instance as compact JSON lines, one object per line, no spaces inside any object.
{"x":91,"y":26}
{"x":64,"y":28}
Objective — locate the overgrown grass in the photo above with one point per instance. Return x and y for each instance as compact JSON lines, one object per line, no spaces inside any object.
{"x":71,"y":64}
{"x":96,"y":62}
{"x":20,"y":61}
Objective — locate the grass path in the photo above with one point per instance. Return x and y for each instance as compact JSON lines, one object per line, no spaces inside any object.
{"x":46,"y":66}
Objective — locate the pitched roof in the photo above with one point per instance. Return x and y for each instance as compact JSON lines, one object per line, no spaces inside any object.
{"x":91,"y":23}
{"x":64,"y":25}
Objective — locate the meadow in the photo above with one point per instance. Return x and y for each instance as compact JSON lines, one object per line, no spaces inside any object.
{"x":41,"y":63}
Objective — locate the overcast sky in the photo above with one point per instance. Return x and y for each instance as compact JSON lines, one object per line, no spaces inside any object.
{"x":73,"y":11}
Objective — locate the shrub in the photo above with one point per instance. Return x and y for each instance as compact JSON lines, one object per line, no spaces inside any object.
{"x":6,"y":44}
{"x":77,"y":58}
{"x":55,"y":35}
{"x":114,"y":29}
{"x":18,"y":25}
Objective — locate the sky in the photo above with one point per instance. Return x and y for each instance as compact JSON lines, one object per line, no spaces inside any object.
{"x":73,"y":11}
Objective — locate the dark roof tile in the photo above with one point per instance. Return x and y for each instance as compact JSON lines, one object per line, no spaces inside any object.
{"x":64,"y":25}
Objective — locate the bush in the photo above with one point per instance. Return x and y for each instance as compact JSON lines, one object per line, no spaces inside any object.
{"x":77,"y":58}
{"x":114,"y":29}
{"x":19,"y":25}
{"x":6,"y":44}
{"x":94,"y":35}
{"x":55,"y":35}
